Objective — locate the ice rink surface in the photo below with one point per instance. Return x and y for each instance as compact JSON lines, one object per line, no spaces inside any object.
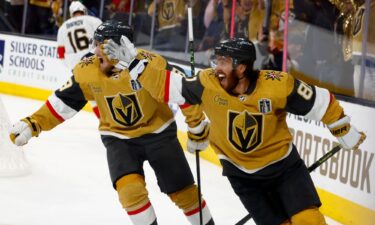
{"x":69,"y":182}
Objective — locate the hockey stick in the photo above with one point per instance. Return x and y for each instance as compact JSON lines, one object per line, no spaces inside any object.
{"x":191,"y":47}
{"x":311,"y":168}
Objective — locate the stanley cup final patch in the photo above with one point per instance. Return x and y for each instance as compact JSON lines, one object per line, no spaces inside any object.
{"x":264,"y":105}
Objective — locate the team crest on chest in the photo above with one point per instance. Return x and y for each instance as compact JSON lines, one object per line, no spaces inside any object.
{"x":245,"y":130}
{"x":167,"y":10}
{"x":264,"y":105}
{"x":124,"y":109}
{"x":273,"y":75}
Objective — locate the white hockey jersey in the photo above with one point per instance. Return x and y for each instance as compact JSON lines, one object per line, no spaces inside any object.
{"x":74,"y":37}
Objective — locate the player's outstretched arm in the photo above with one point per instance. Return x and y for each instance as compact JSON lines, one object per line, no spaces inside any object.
{"x":319,"y":104}
{"x":21,"y":132}
{"x":63,"y":104}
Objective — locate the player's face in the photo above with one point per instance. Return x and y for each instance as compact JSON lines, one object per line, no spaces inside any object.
{"x":225,"y":73}
{"x":105,"y":65}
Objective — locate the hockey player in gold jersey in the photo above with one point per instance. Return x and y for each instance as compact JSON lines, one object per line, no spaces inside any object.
{"x":247,"y":109}
{"x":133,"y":127}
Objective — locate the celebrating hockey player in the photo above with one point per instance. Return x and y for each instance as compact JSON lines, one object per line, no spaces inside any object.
{"x":134,"y":127}
{"x":74,"y":35}
{"x":247,"y":109}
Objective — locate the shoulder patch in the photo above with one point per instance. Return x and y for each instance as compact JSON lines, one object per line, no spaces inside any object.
{"x":147,"y":55}
{"x":86,"y":61}
{"x":273,"y":75}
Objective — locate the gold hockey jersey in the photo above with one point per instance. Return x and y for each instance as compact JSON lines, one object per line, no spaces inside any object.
{"x":169,"y":13}
{"x":249,"y":130}
{"x":124,"y":112}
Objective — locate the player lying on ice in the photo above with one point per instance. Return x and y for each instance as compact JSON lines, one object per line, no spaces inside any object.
{"x":134,"y":127}
{"x":247,"y":109}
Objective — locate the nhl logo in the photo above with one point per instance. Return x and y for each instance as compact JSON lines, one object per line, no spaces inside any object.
{"x":264,"y":105}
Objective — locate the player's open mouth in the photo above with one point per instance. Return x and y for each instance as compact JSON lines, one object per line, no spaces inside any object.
{"x":101,"y":60}
{"x":220,"y":76}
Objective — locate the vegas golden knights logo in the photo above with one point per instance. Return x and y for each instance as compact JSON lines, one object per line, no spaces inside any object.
{"x":168,"y":10}
{"x":125,"y":109}
{"x":245,"y":130}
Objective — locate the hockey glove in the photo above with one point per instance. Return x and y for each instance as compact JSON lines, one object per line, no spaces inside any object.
{"x":348,"y":136}
{"x":21,"y":132}
{"x":198,"y":137}
{"x":125,"y":53}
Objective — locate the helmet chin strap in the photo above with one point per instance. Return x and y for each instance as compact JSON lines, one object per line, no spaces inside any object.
{"x":234,"y":65}
{"x":237,"y":83}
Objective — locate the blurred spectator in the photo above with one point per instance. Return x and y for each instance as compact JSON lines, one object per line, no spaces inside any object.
{"x":170,"y":14}
{"x":74,"y":35}
{"x":241,"y":24}
{"x":299,"y":64}
{"x":120,"y":7}
{"x":304,"y":10}
{"x":14,"y":13}
{"x":92,"y":6}
{"x":352,"y":15}
{"x":120,"y":10}
{"x":57,"y":11}
{"x":323,"y":48}
{"x":39,"y":17}
{"x":214,"y":25}
{"x":271,"y":38}
{"x":369,"y":76}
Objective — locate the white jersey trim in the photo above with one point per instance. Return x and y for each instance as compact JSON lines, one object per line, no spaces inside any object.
{"x":224,"y":157}
{"x":322,"y":99}
{"x":62,"y":109}
{"x":121,"y":136}
{"x":175,"y":89}
{"x":198,"y":129}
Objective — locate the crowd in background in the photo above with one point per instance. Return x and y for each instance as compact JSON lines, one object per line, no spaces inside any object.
{"x":324,"y":36}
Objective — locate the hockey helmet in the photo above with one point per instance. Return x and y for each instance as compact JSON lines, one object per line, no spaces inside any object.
{"x":76,"y":6}
{"x":239,"y":49}
{"x":113,"y":29}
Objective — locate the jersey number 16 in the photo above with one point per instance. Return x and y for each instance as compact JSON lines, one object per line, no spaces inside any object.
{"x":78,"y":40}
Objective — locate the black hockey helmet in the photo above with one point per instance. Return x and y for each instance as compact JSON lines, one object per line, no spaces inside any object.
{"x":113,"y":29}
{"x":239,"y":49}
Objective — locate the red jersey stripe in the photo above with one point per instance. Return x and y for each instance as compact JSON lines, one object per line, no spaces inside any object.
{"x":166,"y":87}
{"x":54,"y":113}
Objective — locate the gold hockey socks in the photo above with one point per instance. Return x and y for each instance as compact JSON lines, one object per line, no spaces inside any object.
{"x":310,"y":216}
{"x":187,"y":200}
{"x":133,"y":196}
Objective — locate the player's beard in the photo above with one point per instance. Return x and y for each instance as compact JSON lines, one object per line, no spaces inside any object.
{"x":228,"y":81}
